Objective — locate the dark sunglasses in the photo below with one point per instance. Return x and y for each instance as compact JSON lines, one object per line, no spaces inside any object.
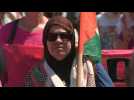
{"x":63,"y":35}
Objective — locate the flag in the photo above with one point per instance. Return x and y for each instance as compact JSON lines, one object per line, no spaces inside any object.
{"x":88,"y":45}
{"x":89,"y":36}
{"x":87,"y":28}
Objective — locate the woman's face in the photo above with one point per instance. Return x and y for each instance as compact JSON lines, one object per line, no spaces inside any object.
{"x":59,"y":43}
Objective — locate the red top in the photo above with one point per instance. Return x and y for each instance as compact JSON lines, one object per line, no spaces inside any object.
{"x":19,"y":60}
{"x":20,"y":57}
{"x":22,"y":36}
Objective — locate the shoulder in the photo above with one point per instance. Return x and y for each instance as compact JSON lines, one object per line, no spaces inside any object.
{"x":38,"y":69}
{"x":35,"y":70}
{"x":35,"y":77}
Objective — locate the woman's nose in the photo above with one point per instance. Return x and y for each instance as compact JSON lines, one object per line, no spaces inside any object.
{"x":59,"y":39}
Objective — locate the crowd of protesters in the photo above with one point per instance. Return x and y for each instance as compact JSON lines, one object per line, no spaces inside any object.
{"x":116,"y":30}
{"x":27,"y":28}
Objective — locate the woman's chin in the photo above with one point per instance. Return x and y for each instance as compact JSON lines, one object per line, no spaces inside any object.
{"x":60,"y":57}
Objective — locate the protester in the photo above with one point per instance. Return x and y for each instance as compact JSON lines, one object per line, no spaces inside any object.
{"x":110,"y":27}
{"x":59,"y":68}
{"x":26,"y":31}
{"x":126,"y":39}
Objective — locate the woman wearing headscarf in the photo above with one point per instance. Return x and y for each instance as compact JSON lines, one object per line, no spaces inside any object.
{"x":59,"y":67}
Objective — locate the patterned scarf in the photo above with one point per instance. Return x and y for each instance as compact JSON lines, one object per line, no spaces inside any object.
{"x":44,"y":76}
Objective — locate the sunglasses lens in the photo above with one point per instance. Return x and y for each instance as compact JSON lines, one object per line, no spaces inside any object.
{"x":63,"y":36}
{"x":66,"y":36}
{"x":52,"y":37}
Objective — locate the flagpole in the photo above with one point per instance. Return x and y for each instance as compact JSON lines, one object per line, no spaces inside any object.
{"x":79,"y":64}
{"x":87,"y":31}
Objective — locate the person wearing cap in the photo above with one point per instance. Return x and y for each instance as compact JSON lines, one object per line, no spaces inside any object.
{"x":59,"y":67}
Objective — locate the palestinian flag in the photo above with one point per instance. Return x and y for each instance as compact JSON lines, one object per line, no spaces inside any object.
{"x":89,"y":36}
{"x":88,"y":46}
